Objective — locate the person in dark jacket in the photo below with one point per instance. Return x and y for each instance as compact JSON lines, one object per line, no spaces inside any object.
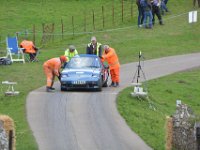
{"x":94,"y":47}
{"x":156,"y":11}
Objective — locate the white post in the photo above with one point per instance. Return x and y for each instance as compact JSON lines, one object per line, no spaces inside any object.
{"x":192,"y":16}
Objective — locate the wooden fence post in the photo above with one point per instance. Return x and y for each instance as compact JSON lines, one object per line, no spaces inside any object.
{"x":43,"y":31}
{"x":17,"y":35}
{"x":73,"y":24}
{"x":93,"y":19}
{"x":26,"y":34}
{"x":34,"y":34}
{"x":85,"y":22}
{"x":113,"y":14}
{"x":103,"y":16}
{"x":131,"y":9}
{"x":122,"y":10}
{"x":53,"y":25}
{"x":62,"y":28}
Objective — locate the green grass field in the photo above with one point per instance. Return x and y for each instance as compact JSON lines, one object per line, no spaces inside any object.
{"x":175,"y":37}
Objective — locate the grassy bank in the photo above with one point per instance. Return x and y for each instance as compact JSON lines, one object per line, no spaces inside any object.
{"x":163,"y":92}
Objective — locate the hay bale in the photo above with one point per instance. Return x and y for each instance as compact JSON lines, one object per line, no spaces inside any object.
{"x":8,"y":125}
{"x":169,"y":133}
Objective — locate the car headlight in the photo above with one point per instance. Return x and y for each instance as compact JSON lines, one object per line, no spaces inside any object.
{"x":95,"y":76}
{"x":64,"y":75}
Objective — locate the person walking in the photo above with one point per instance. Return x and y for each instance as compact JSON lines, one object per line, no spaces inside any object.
{"x":94,"y":47}
{"x":111,"y":57}
{"x":51,"y":69}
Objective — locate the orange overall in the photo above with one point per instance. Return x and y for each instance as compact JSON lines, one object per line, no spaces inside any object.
{"x":51,"y":69}
{"x":113,"y":63}
{"x":28,"y":46}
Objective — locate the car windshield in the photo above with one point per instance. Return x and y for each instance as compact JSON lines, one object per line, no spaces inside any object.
{"x":84,"y":62}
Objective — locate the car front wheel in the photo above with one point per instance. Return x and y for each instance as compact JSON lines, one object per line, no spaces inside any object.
{"x":63,"y":88}
{"x":100,"y":85}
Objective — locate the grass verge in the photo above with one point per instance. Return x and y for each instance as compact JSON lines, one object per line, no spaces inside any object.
{"x":164,"y":92}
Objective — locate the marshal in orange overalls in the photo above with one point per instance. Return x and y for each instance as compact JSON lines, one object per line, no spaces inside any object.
{"x":52,"y":68}
{"x":111,"y":57}
{"x":29,"y":48}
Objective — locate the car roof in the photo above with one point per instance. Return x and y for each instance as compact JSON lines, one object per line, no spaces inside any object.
{"x":88,"y":55}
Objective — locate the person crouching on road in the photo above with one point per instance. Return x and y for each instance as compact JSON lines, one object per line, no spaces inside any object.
{"x":111,"y":57}
{"x":51,"y":69}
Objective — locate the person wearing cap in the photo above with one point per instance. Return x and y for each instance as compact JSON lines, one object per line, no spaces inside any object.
{"x":111,"y":57}
{"x":94,"y":47}
{"x":51,"y":69}
{"x":71,"y":52}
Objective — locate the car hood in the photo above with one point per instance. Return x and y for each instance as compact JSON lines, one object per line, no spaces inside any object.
{"x":81,"y":72}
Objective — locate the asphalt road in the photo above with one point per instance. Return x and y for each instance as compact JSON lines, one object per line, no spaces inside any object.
{"x":85,"y":120}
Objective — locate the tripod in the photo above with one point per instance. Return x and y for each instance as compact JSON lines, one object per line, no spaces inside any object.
{"x":137,"y":73}
{"x":138,"y":90}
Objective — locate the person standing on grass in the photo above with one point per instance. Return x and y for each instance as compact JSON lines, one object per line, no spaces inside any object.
{"x":163,"y":7}
{"x":146,"y":6}
{"x":140,"y":13}
{"x":156,"y":11}
{"x":194,"y":3}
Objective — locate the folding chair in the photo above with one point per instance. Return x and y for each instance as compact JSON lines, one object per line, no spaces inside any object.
{"x":13,"y":51}
{"x":10,"y":91}
{"x":30,"y":49}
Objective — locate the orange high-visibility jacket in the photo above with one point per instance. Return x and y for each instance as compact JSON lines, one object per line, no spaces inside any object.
{"x":54,"y":65}
{"x":112,"y":58}
{"x":28,"y":46}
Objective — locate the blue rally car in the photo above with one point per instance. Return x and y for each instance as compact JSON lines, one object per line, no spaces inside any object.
{"x":84,"y":72}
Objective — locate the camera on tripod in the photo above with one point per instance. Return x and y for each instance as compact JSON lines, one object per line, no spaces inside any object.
{"x":138,"y":90}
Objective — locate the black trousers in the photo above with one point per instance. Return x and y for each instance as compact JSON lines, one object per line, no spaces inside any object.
{"x":156,"y":11}
{"x":32,"y":56}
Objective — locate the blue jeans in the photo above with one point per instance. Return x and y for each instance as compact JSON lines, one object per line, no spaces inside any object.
{"x":163,"y":7}
{"x":148,"y":18}
{"x":140,"y":15}
{"x":165,"y":2}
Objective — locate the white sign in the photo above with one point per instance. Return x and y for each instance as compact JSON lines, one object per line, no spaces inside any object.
{"x":192,"y":16}
{"x":178,"y":102}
